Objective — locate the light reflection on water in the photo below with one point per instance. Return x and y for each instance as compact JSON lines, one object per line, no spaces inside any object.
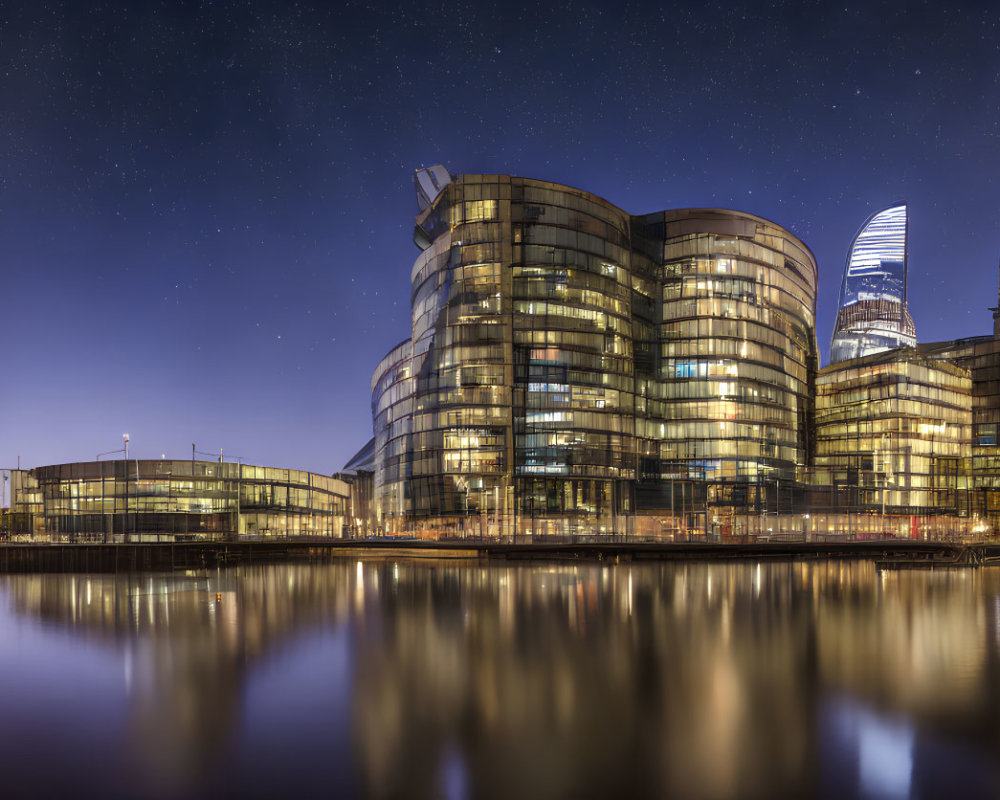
{"x":441,"y":679}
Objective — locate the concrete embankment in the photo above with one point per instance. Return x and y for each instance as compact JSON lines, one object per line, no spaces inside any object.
{"x":205,"y":555}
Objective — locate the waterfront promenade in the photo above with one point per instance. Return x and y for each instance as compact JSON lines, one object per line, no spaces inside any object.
{"x":21,"y":557}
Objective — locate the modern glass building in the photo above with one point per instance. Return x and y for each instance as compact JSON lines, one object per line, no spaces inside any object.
{"x":573,"y":368}
{"x":169,"y":500}
{"x":893,"y":435}
{"x":980,"y":355}
{"x":872,"y":315}
{"x":737,"y":350}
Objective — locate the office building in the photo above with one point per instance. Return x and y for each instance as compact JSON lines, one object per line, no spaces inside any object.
{"x":576,"y":369}
{"x":980,"y":355}
{"x":893,"y":437}
{"x":174,"y":500}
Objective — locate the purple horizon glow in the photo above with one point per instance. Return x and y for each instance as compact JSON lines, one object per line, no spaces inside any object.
{"x":207,"y":208}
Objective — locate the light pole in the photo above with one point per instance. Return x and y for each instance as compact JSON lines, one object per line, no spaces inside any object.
{"x":123,"y":449}
{"x":5,"y":504}
{"x":239,"y":489}
{"x":885,"y":479}
{"x":125,"y":438}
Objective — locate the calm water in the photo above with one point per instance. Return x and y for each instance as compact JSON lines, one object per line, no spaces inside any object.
{"x":443,"y":679}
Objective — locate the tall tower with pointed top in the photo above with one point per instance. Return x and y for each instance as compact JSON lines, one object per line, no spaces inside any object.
{"x":872,"y":315}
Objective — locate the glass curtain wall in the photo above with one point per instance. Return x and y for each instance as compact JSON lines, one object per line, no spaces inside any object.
{"x":461,"y":368}
{"x":893,"y":432}
{"x":872,"y":315}
{"x":981,"y":356}
{"x":512,"y":402}
{"x":737,"y":355}
{"x":392,"y":388}
{"x":568,"y":362}
{"x":26,"y":505}
{"x":169,"y":500}
{"x":574,"y":407}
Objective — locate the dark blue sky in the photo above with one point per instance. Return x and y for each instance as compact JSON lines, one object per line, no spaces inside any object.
{"x":206,"y":208}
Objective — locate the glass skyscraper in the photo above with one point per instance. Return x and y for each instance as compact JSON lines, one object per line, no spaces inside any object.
{"x":572,"y":367}
{"x":872,"y":315}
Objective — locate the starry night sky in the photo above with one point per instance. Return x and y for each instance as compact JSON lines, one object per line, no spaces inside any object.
{"x":206,"y":208}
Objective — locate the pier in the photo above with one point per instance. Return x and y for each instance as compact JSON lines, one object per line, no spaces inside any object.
{"x":135,"y":557}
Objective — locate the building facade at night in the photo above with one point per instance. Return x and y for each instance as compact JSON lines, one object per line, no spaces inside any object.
{"x":893,"y":440}
{"x":174,"y":500}
{"x":573,"y":368}
{"x":980,"y":355}
{"x":872,"y":315}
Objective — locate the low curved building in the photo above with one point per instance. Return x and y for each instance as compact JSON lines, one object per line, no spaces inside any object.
{"x":572,"y":366}
{"x":174,"y":500}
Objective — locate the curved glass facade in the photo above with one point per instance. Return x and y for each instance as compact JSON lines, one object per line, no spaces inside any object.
{"x":738,"y":348}
{"x":169,"y":500}
{"x":569,"y":361}
{"x":872,"y":315}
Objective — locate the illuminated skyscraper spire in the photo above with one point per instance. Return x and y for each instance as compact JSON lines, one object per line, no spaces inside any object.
{"x":872,"y":315}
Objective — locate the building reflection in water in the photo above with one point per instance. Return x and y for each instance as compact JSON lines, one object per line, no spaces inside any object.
{"x":451,"y":679}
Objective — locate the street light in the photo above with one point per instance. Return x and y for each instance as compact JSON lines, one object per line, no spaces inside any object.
{"x":123,"y":449}
{"x":4,"y":504}
{"x":125,"y":439}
